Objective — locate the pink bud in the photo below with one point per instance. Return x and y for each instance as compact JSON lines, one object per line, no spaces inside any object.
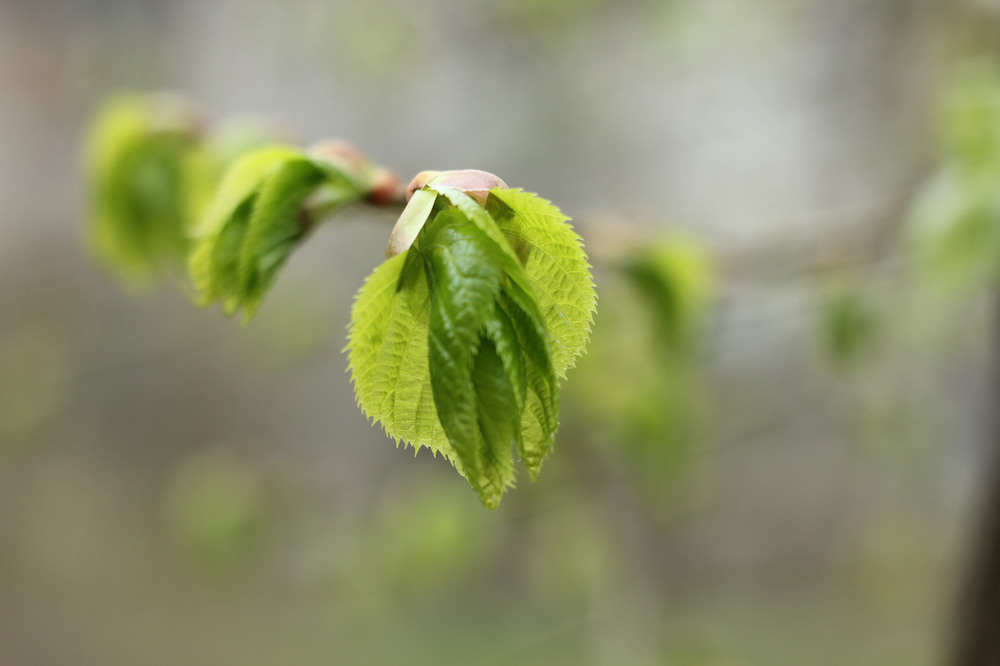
{"x":343,"y":155}
{"x":419,"y":181}
{"x":477,"y":184}
{"x":385,"y":188}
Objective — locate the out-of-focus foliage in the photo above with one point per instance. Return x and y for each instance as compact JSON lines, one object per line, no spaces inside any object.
{"x":145,"y":165}
{"x":216,"y":511}
{"x":676,"y":278}
{"x":428,"y":545}
{"x":164,"y":189}
{"x":486,"y":310}
{"x":956,"y":220}
{"x":969,"y":121}
{"x":639,"y":388}
{"x":33,"y":384}
{"x":848,"y":326}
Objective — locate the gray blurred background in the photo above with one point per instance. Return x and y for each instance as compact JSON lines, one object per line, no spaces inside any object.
{"x":178,"y":489}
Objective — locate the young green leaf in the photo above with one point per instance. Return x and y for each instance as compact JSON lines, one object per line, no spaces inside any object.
{"x":411,"y":221}
{"x":498,"y":421}
{"x":266,"y":206}
{"x":215,"y":260}
{"x":278,"y":224}
{"x":540,"y":416}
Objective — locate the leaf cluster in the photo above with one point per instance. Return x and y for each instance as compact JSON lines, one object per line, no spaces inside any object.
{"x":152,"y":167}
{"x":458,"y":343}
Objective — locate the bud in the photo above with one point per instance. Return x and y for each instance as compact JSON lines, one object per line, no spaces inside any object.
{"x":385,"y":189}
{"x":419,"y":181}
{"x":343,"y":155}
{"x":169,"y":112}
{"x":382,"y":185}
{"x":477,"y":184}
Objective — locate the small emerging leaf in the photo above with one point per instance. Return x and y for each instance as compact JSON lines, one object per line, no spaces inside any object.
{"x":215,"y":259}
{"x":276,"y":228}
{"x":266,"y":205}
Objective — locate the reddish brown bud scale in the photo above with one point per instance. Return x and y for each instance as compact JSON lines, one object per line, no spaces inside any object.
{"x":386,"y":188}
{"x":343,"y":155}
{"x":173,"y":113}
{"x":477,"y":184}
{"x":383,"y":187}
{"x":419,"y":181}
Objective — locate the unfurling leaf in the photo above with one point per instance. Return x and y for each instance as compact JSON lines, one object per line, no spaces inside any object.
{"x":267,"y":203}
{"x":458,"y":339}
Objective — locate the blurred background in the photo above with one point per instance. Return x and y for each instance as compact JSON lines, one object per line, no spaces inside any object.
{"x":773,"y":453}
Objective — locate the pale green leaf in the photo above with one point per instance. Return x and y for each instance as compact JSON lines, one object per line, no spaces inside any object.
{"x":411,"y":221}
{"x":388,"y":354}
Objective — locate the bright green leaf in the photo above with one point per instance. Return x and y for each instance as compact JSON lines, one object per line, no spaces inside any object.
{"x":388,"y":360}
{"x":215,"y":260}
{"x":556,"y":265}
